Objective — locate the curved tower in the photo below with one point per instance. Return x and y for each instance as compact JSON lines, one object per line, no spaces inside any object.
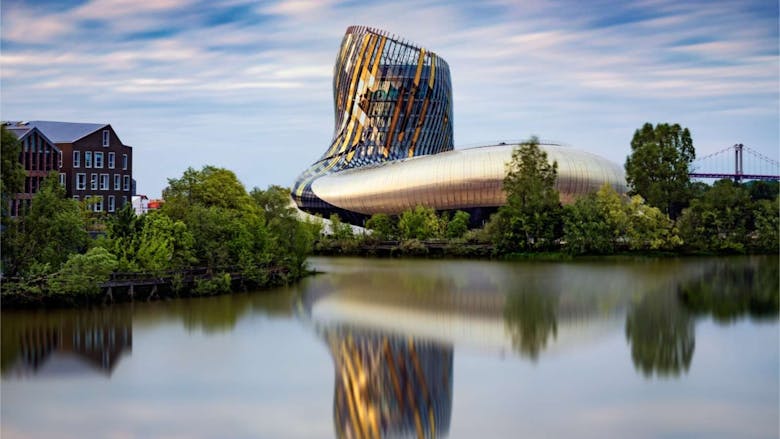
{"x":392,"y":100}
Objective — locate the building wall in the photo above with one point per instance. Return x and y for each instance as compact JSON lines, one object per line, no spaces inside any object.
{"x":87,"y":160}
{"x":38,"y":157}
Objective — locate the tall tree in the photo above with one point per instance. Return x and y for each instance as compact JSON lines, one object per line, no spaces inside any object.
{"x":657,"y":168}
{"x":12,"y":173}
{"x":531,"y":218}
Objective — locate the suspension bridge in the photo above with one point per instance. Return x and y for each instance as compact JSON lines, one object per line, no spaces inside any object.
{"x":729,"y":163}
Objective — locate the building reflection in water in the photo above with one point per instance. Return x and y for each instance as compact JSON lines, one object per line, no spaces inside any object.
{"x":68,"y":343}
{"x":389,"y":385}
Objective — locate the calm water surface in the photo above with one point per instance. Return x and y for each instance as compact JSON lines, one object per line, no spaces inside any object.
{"x":673,"y":348}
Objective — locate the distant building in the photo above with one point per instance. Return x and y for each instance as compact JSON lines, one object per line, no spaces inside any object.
{"x":39,"y":156}
{"x":96,"y":164}
{"x":140,"y":204}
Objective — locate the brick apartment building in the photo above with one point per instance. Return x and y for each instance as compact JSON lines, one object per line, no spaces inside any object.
{"x":95,"y":164}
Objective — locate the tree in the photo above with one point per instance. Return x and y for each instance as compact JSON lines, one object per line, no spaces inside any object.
{"x":419,"y":223}
{"x":383,"y":226}
{"x":51,"y":231}
{"x":531,"y":218}
{"x":719,"y":221}
{"x":211,"y":186}
{"x":458,"y":225}
{"x":657,"y":168}
{"x":83,"y":274}
{"x":12,"y":177}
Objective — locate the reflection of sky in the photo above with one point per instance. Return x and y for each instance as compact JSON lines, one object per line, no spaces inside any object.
{"x":274,"y":377}
{"x":257,"y":381}
{"x":730,"y":391}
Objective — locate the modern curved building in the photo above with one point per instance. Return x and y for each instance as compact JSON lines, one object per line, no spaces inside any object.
{"x":392,"y":146}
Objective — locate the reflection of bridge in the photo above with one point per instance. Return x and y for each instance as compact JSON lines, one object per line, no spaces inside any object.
{"x":722,"y":165}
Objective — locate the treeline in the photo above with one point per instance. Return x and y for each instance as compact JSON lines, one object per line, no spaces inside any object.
{"x":685,"y":217}
{"x":209,"y":222}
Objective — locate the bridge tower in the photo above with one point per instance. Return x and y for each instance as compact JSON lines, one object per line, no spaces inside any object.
{"x":738,"y":162}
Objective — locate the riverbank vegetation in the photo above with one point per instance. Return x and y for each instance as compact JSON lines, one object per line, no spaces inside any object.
{"x":210,"y":237}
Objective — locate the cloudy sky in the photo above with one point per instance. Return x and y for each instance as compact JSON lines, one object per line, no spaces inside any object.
{"x":246,"y":85}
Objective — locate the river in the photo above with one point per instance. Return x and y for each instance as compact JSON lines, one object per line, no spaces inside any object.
{"x":602,"y":348}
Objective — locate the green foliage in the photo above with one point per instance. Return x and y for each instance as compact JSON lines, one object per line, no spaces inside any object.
{"x":458,"y":225}
{"x":606,"y":222}
{"x":383,"y":226}
{"x":12,"y":172}
{"x":51,"y":231}
{"x":290,"y":240}
{"x":766,"y":215}
{"x":218,"y":284}
{"x":208,"y":187}
{"x":763,"y":190}
{"x":82,"y":274}
{"x":420,"y":223}
{"x":531,"y":218}
{"x":657,"y":168}
{"x":340,"y":230}
{"x":719,"y":220}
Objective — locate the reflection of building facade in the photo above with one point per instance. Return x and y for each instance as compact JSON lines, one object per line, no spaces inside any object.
{"x":95,"y":342}
{"x":392,"y":147}
{"x":390,"y":386}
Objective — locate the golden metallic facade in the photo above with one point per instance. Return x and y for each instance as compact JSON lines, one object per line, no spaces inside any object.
{"x":392,"y":147}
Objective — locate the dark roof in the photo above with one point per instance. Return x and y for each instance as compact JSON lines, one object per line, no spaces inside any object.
{"x":65,"y":132}
{"x":21,"y":129}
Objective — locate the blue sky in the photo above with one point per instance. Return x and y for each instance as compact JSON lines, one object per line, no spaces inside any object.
{"x":247,"y":85}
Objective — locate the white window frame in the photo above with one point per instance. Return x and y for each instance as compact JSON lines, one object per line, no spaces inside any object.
{"x":76,"y":159}
{"x":104,"y":186}
{"x":124,"y":161}
{"x":117,"y":182}
{"x":111,"y":160}
{"x":87,"y":159}
{"x":111,"y":203}
{"x":62,"y":179}
{"x":106,"y":138}
{"x":93,"y":181}
{"x":81,"y":181}
{"x":98,"y":155}
{"x":126,"y":182}
{"x":98,"y":206}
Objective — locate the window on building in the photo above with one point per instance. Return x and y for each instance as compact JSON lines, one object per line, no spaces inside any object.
{"x":81,"y":181}
{"x":62,"y":179}
{"x":87,"y":159}
{"x":111,"y":203}
{"x":124,"y":161}
{"x":117,"y":182}
{"x":59,"y":159}
{"x":127,"y":182}
{"x":106,"y":137}
{"x":111,"y":160}
{"x":93,"y":178}
{"x":76,"y":159}
{"x":104,"y":182}
{"x":98,"y":159}
{"x":98,"y":203}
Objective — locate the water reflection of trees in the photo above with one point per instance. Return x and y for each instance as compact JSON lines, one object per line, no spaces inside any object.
{"x":530,"y":316}
{"x":388,"y":385}
{"x":729,"y":291}
{"x":661,"y":326}
{"x":661,"y":334}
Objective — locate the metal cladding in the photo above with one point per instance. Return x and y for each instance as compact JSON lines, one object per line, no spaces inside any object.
{"x":392,"y":146}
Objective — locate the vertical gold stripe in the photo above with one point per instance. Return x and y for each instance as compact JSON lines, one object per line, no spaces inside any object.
{"x":393,"y":121}
{"x":419,"y":67}
{"x":432,"y":73}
